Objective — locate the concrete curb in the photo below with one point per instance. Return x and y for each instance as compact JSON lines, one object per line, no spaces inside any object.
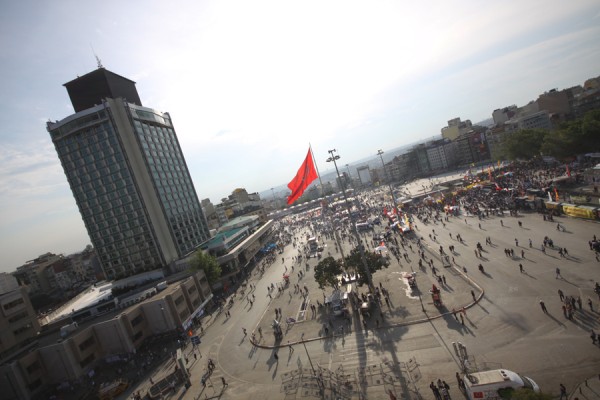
{"x":588,"y":389}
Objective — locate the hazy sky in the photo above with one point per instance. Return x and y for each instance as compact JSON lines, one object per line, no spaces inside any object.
{"x":250,"y":83}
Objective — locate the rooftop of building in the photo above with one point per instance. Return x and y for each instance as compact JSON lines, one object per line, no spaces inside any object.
{"x":221,"y":237}
{"x":49,"y":336}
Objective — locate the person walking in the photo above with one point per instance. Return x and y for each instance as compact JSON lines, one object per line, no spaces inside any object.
{"x":563,"y":392}
{"x":473,"y":295}
{"x":521,"y":268}
{"x":435,"y":390}
{"x":543,"y":307}
{"x":590,"y":304}
{"x":224,"y":382}
{"x":290,"y":347}
{"x":276,"y":357}
{"x":558,"y":275}
{"x":561,"y":295}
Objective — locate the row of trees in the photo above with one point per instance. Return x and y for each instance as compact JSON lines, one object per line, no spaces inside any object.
{"x":326,"y":272}
{"x":573,"y":137}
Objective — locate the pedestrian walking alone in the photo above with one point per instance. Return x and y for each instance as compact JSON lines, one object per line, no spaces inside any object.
{"x":563,"y":392}
{"x":558,"y":275}
{"x":473,"y":295}
{"x":543,"y":307}
{"x":224,"y":382}
{"x":521,"y":268}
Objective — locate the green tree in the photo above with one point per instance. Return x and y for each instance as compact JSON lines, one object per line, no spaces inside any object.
{"x":524,"y":144}
{"x":327,"y":272}
{"x":574,"y":137}
{"x":375,"y":262}
{"x":207,"y":263}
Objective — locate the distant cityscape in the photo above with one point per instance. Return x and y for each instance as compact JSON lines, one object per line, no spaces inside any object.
{"x":462,"y":143}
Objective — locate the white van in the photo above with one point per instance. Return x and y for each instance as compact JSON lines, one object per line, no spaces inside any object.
{"x":486,"y":384}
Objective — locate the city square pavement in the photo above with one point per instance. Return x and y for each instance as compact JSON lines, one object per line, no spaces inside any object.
{"x":406,"y":305}
{"x":503,"y":327}
{"x":464,"y":289}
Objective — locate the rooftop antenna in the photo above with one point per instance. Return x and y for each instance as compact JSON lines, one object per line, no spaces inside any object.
{"x":98,"y":61}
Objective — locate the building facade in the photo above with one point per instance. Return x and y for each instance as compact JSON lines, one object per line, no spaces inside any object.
{"x":18,"y":320}
{"x":128,"y":175}
{"x":56,"y":357}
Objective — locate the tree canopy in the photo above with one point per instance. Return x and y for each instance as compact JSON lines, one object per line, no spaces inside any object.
{"x":375,"y":262}
{"x":524,"y":144}
{"x":208,"y":264}
{"x":571,"y":138}
{"x":327,"y":271}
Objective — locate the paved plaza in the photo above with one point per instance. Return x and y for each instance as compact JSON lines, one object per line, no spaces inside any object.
{"x":409,"y":344}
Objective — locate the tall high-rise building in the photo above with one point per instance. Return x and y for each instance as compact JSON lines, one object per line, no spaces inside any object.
{"x":128,"y":175}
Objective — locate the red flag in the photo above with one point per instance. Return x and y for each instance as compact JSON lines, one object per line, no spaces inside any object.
{"x":305,"y":175}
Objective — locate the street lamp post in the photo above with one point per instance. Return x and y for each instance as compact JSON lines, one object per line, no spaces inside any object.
{"x":333,"y":158}
{"x":273,"y":200}
{"x":350,"y":176}
{"x":379,"y":153}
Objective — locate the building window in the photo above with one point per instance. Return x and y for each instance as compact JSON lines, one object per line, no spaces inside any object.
{"x":33,"y":367}
{"x":87,"y":343}
{"x":18,"y":317}
{"x":87,"y":360}
{"x":137,"y":320}
{"x":13,"y":304}
{"x":21,"y":329}
{"x":179,"y":300}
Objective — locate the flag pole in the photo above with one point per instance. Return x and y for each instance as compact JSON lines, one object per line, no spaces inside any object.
{"x":316,"y":167}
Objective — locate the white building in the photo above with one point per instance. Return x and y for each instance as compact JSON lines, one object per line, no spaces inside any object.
{"x":441,"y":155}
{"x":364,"y":175}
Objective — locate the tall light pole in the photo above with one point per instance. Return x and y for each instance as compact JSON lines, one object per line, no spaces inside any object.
{"x":333,"y":158}
{"x":349,"y":176}
{"x":273,"y":201}
{"x":379,"y":153}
